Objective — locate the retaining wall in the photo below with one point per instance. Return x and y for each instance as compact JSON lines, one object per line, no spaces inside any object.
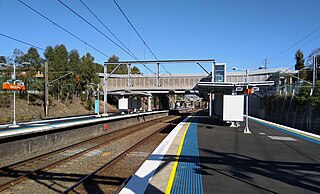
{"x":22,"y":147}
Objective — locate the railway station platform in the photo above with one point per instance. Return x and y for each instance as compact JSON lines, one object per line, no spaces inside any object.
{"x":202,"y":156}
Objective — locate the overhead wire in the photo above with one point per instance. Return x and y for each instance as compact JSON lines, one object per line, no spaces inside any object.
{"x":296,"y":43}
{"x":62,"y":28}
{"x":103,"y":34}
{"x":128,"y":52}
{"x":90,"y":24}
{"x":136,"y":31}
{"x":26,"y":43}
{"x":133,"y":55}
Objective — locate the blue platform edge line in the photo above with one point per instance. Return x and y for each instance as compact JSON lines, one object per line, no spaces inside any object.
{"x":188,"y":178}
{"x":286,"y":131}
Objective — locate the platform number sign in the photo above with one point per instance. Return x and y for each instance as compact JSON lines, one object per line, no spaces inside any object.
{"x":219,"y":72}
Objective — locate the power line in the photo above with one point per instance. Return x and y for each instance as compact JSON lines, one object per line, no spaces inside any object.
{"x":144,"y":42}
{"x":296,"y":43}
{"x":22,"y":41}
{"x":303,"y":28}
{"x":133,"y":55}
{"x":135,"y":29}
{"x":103,"y":34}
{"x":105,"y":26}
{"x":54,"y":23}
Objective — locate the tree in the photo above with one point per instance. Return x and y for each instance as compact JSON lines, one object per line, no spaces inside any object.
{"x":33,"y":58}
{"x":74,"y":64}
{"x":299,"y":60}
{"x":3,"y":59}
{"x":123,"y":69}
{"x":57,"y":58}
{"x":135,"y":70}
{"x":35,"y":63}
{"x":17,"y":56}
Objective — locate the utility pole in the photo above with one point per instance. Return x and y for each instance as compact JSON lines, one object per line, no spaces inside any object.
{"x":105,"y":70}
{"x":314,"y":75}
{"x":46,"y":89}
{"x":158,"y":74}
{"x":14,"y":78}
{"x":129,"y":75}
{"x":265,"y":63}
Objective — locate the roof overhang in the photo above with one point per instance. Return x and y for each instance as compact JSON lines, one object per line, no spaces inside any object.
{"x":227,"y":87}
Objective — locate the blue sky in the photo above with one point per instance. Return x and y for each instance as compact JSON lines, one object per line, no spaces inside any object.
{"x":239,"y":33}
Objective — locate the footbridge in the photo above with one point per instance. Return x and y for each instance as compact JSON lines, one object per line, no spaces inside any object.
{"x":176,"y":83}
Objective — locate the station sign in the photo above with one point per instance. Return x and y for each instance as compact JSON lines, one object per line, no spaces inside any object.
{"x":219,"y":72}
{"x":11,"y":86}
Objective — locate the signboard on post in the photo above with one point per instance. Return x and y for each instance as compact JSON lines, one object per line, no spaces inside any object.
{"x":10,"y":86}
{"x":96,"y":106}
{"x":123,"y":104}
{"x":233,"y":106}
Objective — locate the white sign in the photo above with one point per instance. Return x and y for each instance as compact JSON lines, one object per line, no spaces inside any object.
{"x":233,"y":107}
{"x":123,"y":103}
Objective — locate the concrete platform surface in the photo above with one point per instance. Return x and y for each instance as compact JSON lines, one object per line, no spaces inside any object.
{"x":205,"y":157}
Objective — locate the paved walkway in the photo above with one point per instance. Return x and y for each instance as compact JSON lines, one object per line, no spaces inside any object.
{"x":204,"y":157}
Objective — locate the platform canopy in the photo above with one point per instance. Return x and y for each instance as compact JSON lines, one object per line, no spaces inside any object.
{"x":228,"y":87}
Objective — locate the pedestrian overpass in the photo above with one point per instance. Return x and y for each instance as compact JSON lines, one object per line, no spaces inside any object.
{"x":176,"y":83}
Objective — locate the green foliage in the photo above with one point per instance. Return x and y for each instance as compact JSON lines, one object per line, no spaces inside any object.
{"x":304,"y":95}
{"x":299,"y":60}
{"x":34,"y":59}
{"x":123,"y":69}
{"x":3,"y":59}
{"x":315,"y":98}
{"x":135,"y":70}
{"x":17,"y":56}
{"x":69,"y":74}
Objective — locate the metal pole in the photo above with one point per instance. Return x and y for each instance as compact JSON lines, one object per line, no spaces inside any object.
{"x":313,"y":76}
{"x":246,"y":129}
{"x":14,"y":124}
{"x":210,"y":104}
{"x":98,"y":99}
{"x":158,"y":74}
{"x":129,"y":75}
{"x":46,"y":91}
{"x":105,"y":68}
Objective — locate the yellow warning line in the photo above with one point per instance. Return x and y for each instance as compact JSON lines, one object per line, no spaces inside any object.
{"x":175,"y":165}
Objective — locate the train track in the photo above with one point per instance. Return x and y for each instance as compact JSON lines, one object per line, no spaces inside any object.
{"x":39,"y":167}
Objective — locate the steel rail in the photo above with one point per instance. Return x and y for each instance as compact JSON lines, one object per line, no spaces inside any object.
{"x":86,"y":178}
{"x":47,"y":167}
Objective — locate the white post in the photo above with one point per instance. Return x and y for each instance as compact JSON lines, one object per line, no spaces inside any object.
{"x":98,"y":100}
{"x":158,"y":74}
{"x":14,"y":124}
{"x":129,"y":75}
{"x":210,"y":104}
{"x":246,"y":129}
{"x":105,"y":70}
{"x":314,"y":81}
{"x":149,"y":103}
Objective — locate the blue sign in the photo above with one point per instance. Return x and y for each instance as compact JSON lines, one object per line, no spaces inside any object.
{"x":96,"y":106}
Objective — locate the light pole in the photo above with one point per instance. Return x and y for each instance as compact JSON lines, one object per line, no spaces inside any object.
{"x":246,"y":129}
{"x":13,"y":78}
